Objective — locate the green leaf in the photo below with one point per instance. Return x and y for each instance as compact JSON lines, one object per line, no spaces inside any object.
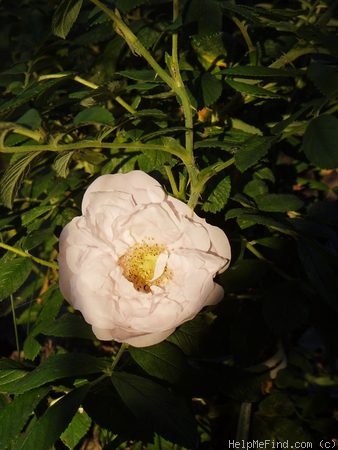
{"x":31,"y":119}
{"x":13,"y":273}
{"x":15,"y":415}
{"x":91,"y":156}
{"x":320,"y":141}
{"x":250,"y":89}
{"x":207,"y":13}
{"x":55,"y":368}
{"x":47,"y":429}
{"x":278,"y":202}
{"x":153,"y":160}
{"x":77,"y":428}
{"x":113,"y":414}
{"x":13,"y":177}
{"x":29,"y":94}
{"x":140,"y":75}
{"x":61,"y":163}
{"x":324,"y":76}
{"x":188,"y":337}
{"x":29,"y":216}
{"x":127,"y":5}
{"x":245,"y":274}
{"x":290,"y":430}
{"x":256,"y":72}
{"x":211,"y":88}
{"x":31,"y":348}
{"x":219,"y":196}
{"x":65,"y":16}
{"x":95,"y":114}
{"x":163,"y":361}
{"x":10,"y":371}
{"x":157,"y":407}
{"x":210,"y":49}
{"x":69,"y":325}
{"x":251,"y":151}
{"x":253,"y":218}
{"x":255,"y":188}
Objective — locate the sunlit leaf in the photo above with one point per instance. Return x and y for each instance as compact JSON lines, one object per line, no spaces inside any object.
{"x":65,"y":16}
{"x":251,"y":89}
{"x":95,"y":114}
{"x":77,"y":428}
{"x":13,"y":177}
{"x":218,"y":197}
{"x":278,"y":202}
{"x":55,"y":420}
{"x":164,"y":361}
{"x":55,"y":368}
{"x":13,"y":273}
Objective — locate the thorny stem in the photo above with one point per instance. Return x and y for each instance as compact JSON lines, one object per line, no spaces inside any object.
{"x":130,"y":146}
{"x":187,"y":111}
{"x":294,"y":54}
{"x":172,"y":181}
{"x":174,"y":82}
{"x":25,"y":254}
{"x":134,"y":44}
{"x":181,"y":90}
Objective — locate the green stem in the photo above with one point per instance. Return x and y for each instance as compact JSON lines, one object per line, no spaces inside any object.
{"x":172,"y":181}
{"x":243,"y":425}
{"x":8,"y":127}
{"x":203,"y":177}
{"x":15,"y":326}
{"x":133,"y":42}
{"x":296,"y":53}
{"x":182,"y":93}
{"x":244,"y":30}
{"x":25,"y":254}
{"x":180,"y":87}
{"x":125,"y":105}
{"x":174,"y":82}
{"x":91,"y":85}
{"x":117,"y":358}
{"x":131,"y":146}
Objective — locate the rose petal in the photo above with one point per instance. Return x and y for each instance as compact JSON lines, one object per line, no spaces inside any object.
{"x":120,"y":211}
{"x":143,"y":188}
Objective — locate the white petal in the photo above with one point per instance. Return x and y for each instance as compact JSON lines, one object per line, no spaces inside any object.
{"x":146,"y":340}
{"x":220,"y":244}
{"x":142,"y":187}
{"x":160,"y":265}
{"x":151,"y":221}
{"x":215,"y":296}
{"x":102,"y":333}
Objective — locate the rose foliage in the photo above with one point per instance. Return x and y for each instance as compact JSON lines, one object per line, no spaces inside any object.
{"x":138,"y":138}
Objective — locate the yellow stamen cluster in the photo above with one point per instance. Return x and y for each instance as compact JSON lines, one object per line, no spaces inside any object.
{"x":139,"y":263}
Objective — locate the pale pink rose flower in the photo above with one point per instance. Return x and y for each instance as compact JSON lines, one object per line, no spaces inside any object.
{"x":138,"y":263}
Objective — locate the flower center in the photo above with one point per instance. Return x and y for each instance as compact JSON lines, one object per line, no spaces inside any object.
{"x":145,"y":265}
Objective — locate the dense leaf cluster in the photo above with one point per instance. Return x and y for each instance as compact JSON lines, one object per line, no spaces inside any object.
{"x":232,"y":106}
